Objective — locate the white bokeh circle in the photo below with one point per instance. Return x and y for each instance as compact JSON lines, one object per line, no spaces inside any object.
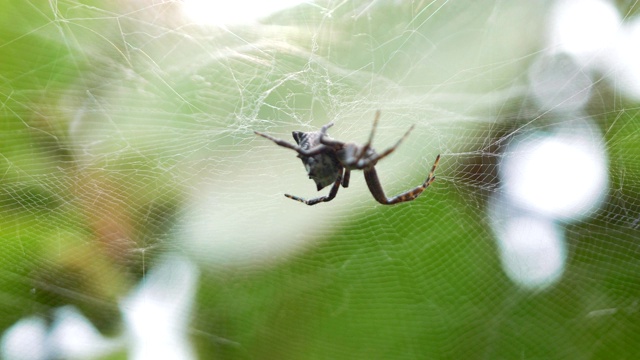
{"x":560,"y":176}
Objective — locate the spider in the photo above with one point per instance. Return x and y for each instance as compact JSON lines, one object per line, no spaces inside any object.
{"x":330,"y":161}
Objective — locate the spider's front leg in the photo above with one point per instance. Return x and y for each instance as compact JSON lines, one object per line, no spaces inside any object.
{"x":373,"y":182}
{"x":310,"y":152}
{"x":332,"y":193}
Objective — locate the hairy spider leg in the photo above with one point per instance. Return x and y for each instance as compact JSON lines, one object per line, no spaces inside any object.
{"x":332,"y":193}
{"x":310,"y":152}
{"x":373,"y":182}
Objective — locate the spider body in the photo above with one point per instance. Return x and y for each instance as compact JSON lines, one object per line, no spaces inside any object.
{"x":329,"y":161}
{"x":321,"y":168}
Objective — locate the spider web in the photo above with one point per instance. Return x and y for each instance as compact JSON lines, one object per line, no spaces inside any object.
{"x":127,"y":140}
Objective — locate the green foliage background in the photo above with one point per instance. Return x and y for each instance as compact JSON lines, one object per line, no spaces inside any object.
{"x":111,"y":113}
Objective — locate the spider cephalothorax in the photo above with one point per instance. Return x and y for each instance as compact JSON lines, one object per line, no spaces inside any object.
{"x":330,"y":161}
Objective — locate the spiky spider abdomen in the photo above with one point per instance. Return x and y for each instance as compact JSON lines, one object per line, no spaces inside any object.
{"x":322,"y":168}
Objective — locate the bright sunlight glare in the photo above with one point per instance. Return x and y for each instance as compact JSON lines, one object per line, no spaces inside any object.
{"x":584,"y":28}
{"x":233,"y":12}
{"x":594,"y":33}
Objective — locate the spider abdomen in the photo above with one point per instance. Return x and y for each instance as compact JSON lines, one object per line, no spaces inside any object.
{"x":322,"y":168}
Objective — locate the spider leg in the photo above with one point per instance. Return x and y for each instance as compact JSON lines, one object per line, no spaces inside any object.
{"x":373,"y":182}
{"x":367,"y":145}
{"x":332,"y":194}
{"x":345,"y":178}
{"x":394,"y":147}
{"x":329,"y":142}
{"x":376,"y":118}
{"x":323,"y":130}
{"x":336,"y":143}
{"x":313,"y":151}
